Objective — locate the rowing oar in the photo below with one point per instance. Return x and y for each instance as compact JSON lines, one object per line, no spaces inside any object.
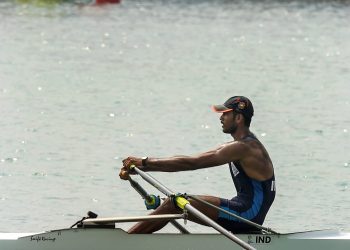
{"x":266,"y":229}
{"x":185,"y":205}
{"x":149,"y":199}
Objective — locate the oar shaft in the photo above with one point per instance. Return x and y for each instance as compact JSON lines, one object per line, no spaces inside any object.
{"x":185,"y":205}
{"x":192,"y":210}
{"x":154,"y":182}
{"x":139,"y":189}
{"x":233,"y":215}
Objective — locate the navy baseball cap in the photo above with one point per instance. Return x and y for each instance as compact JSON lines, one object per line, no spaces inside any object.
{"x":239,"y":104}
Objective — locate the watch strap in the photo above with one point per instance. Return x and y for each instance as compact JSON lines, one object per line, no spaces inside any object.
{"x":144,"y":161}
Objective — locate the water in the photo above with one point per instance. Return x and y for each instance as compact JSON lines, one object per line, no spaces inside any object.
{"x":83,"y":87}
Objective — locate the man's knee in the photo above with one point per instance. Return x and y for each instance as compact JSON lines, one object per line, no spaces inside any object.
{"x":169,"y":205}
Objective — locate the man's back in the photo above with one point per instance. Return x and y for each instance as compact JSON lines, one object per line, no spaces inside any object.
{"x":256,"y":163}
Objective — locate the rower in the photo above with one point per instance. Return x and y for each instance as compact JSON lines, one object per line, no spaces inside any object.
{"x":249,"y":164}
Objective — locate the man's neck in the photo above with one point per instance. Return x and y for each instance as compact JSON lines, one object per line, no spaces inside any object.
{"x":240,"y":133}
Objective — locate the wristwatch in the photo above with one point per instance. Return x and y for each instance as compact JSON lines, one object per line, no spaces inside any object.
{"x":144,"y":161}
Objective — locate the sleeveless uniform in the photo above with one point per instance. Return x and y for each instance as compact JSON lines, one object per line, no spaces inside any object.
{"x":252,"y":202}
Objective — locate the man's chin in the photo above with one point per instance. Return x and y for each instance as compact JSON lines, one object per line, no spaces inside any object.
{"x":228,"y":131}
{"x":225,"y":131}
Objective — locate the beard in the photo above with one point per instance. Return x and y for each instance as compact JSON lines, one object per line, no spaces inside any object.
{"x":231,"y":130}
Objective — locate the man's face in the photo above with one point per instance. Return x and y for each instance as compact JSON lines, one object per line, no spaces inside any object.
{"x":228,"y":121}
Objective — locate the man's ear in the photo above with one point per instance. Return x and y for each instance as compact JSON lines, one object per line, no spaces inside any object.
{"x":240,"y":118}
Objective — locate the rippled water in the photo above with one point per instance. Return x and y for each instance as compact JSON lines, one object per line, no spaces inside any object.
{"x":81,"y":87}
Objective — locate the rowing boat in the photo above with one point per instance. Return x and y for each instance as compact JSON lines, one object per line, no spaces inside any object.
{"x":118,"y":239}
{"x":92,"y":233}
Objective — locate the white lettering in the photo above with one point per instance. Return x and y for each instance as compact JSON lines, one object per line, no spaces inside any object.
{"x":235,"y":171}
{"x":273,"y":186}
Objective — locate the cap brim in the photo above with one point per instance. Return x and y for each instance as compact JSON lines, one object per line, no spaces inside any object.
{"x":220,"y":108}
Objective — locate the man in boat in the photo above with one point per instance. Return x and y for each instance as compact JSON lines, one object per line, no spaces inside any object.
{"x":249,"y":163}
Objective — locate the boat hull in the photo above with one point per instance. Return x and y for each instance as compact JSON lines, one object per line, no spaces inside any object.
{"x":117,"y":239}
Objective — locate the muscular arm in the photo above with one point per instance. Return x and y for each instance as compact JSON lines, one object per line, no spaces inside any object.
{"x":219,"y":156}
{"x":225,"y":153}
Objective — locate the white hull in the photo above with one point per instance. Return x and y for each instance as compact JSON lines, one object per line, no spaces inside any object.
{"x":117,"y":239}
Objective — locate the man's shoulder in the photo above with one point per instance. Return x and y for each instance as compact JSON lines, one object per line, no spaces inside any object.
{"x":238,"y":145}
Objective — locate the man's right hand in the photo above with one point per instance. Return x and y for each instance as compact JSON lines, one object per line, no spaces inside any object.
{"x":125,"y":171}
